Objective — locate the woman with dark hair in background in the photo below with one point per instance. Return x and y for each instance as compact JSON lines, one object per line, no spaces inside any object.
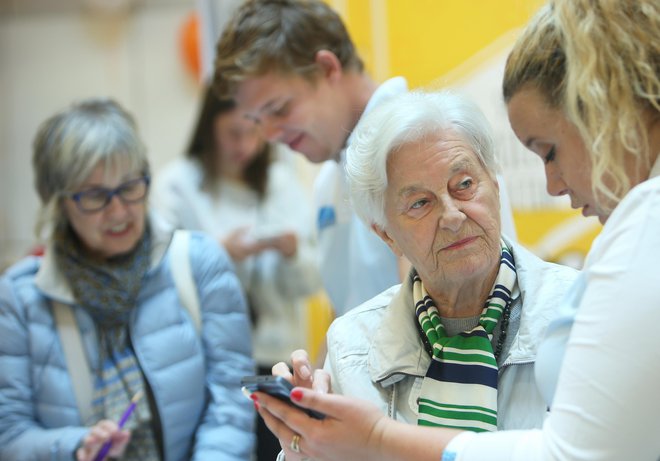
{"x":245,"y":193}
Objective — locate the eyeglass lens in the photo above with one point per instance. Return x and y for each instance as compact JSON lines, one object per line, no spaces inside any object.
{"x":98,"y":198}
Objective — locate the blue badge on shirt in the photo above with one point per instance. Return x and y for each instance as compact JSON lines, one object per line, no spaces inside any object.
{"x":326,"y":217}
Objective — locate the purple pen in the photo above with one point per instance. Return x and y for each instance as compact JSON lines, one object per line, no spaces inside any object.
{"x":127,"y":414}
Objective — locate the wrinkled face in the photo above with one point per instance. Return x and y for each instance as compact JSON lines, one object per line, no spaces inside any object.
{"x":117,"y":228}
{"x":548,"y":133}
{"x":442,"y":211}
{"x":296,"y":112}
{"x":238,"y":141}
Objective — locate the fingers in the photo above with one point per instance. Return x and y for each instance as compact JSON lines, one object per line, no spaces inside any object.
{"x":280,"y":429}
{"x":303,"y":373}
{"x":331,"y":405}
{"x":302,"y":368}
{"x":321,"y":381}
{"x":119,"y":443}
{"x":282,"y":369}
{"x":98,"y":435}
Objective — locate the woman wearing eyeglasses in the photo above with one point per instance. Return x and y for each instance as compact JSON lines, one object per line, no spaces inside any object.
{"x":109,"y":264}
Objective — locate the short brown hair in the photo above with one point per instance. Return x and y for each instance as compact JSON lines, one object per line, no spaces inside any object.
{"x":282,"y":36}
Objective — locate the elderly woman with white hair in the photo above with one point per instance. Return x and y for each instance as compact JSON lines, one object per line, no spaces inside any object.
{"x":454,"y":345}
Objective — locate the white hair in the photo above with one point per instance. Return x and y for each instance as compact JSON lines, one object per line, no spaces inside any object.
{"x":408,"y":118}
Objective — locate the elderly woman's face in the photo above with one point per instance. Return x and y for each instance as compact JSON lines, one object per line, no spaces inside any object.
{"x":442,"y":211}
{"x":115,"y":229}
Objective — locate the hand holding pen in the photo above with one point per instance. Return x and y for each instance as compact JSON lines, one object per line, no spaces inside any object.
{"x":108,"y":435}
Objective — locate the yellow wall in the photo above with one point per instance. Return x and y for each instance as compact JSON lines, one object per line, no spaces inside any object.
{"x":435,"y":42}
{"x":425,"y":39}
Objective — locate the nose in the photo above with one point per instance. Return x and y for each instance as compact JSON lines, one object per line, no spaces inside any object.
{"x":452,"y":216}
{"x":554,"y":182}
{"x":116,"y":207}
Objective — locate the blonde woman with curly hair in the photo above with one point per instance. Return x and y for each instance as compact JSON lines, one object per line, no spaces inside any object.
{"x":582,"y":87}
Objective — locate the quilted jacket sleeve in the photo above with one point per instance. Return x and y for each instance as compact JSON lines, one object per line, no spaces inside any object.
{"x":21,"y":436}
{"x":226,"y":430}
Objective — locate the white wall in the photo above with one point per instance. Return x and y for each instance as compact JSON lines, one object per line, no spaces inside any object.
{"x":48,"y":60}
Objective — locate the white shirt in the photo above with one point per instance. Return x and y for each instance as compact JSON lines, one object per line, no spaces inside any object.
{"x":276,"y":286}
{"x":606,"y":405}
{"x":355,"y":263}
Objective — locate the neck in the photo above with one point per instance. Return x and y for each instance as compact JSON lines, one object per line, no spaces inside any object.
{"x":466,"y":299}
{"x":360,"y":88}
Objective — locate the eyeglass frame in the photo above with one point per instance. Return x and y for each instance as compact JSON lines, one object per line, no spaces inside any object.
{"x":110,"y":193}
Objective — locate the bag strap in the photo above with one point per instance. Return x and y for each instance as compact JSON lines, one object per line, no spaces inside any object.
{"x":183,"y":277}
{"x":76,"y":361}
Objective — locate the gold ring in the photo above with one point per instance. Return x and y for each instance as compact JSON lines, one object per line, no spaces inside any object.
{"x":295,"y":443}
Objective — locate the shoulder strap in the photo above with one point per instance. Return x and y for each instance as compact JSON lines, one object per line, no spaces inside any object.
{"x":76,"y":361}
{"x":182,"y":274}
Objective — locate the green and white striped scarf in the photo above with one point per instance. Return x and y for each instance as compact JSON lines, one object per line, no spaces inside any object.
{"x":460,"y":387}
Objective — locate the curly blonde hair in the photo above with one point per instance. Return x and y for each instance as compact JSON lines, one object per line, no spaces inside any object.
{"x":599,"y":62}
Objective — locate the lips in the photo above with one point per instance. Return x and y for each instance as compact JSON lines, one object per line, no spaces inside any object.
{"x":118,"y":230}
{"x":295,"y":142}
{"x":460,"y":243}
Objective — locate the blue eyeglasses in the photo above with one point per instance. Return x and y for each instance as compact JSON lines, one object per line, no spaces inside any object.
{"x":97,"y":198}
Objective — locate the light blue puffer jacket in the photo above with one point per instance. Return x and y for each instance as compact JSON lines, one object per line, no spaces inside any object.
{"x":195,"y":381}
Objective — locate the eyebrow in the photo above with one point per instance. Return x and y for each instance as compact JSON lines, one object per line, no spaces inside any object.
{"x":409,"y":190}
{"x":462,"y":164}
{"x":269,"y":105}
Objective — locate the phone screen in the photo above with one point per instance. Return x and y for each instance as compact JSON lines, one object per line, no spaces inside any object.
{"x":277,"y":387}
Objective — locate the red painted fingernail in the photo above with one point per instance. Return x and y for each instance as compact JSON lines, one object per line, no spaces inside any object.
{"x":297,"y":395}
{"x":254,"y":397}
{"x":256,"y":405}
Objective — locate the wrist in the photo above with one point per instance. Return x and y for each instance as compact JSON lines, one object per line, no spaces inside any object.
{"x":455,"y":445}
{"x":377,"y":438}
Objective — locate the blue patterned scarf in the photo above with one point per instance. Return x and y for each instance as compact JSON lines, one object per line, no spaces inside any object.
{"x":108,"y":290}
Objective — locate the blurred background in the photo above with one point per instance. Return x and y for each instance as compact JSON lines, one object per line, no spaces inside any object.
{"x":151,"y":56}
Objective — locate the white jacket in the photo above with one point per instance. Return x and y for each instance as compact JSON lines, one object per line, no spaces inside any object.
{"x":375,"y":352}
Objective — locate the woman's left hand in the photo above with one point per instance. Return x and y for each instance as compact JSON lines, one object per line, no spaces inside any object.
{"x":286,"y":243}
{"x":102,"y":432}
{"x":352,"y":428}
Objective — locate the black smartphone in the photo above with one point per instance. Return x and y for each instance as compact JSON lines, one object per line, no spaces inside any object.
{"x":277,"y":387}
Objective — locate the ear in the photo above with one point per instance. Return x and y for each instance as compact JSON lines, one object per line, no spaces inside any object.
{"x":329,"y":64}
{"x":385,"y":237}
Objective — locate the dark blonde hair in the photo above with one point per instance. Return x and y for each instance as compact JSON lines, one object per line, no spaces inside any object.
{"x":598,"y":61}
{"x":281,"y":36}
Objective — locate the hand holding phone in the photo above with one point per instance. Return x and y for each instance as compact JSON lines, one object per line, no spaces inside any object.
{"x":277,"y":387}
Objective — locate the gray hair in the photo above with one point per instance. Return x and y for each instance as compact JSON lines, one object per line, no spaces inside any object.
{"x":405,"y":119}
{"x":71,"y":143}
